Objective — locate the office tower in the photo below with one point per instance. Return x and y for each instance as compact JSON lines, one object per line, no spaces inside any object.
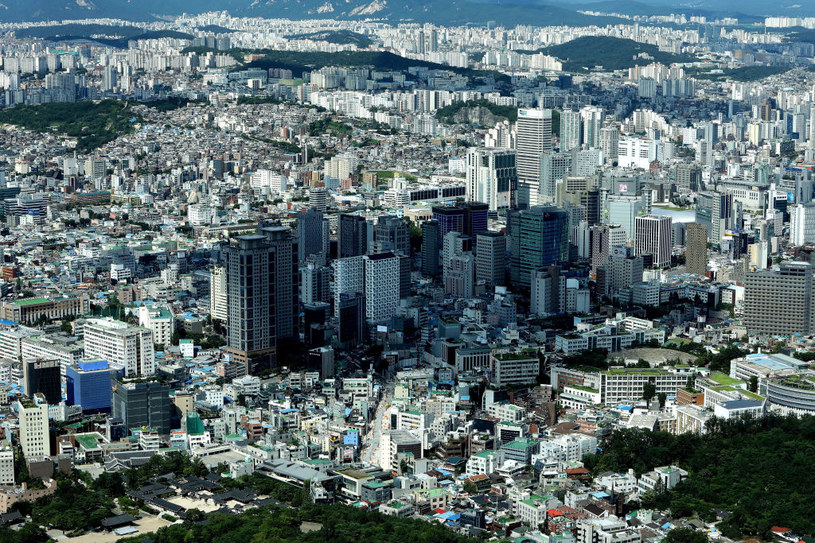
{"x":779,"y":302}
{"x":623,"y":270}
{"x":458,"y":276}
{"x":88,"y":384}
{"x":323,"y":358}
{"x":287,"y":275}
{"x":553,"y":168}
{"x":490,"y":260}
{"x":314,"y":281}
{"x":122,"y":344}
{"x":251,"y":280}
{"x":404,"y":276}
{"x":141,"y":404}
{"x":545,"y":291}
{"x":601,"y":240}
{"x":312,"y":236}
{"x":592,"y":201}
{"x":351,"y":318}
{"x":315,"y":317}
{"x":653,"y":236}
{"x":812,"y":127}
{"x":539,"y":237}
{"x":534,"y":136}
{"x":35,"y":439}
{"x":696,"y":248}
{"x":716,"y":212}
{"x":623,"y":210}
{"x":430,"y":248}
{"x":391,"y":234}
{"x":349,"y":278}
{"x":688,"y":176}
{"x":592,"y":120}
{"x":352,"y":236}
{"x":570,"y":129}
{"x":491,"y":174}
{"x":109,"y":77}
{"x":381,"y":273}
{"x":585,"y":162}
{"x":610,"y":143}
{"x":217,"y":294}
{"x":468,"y":218}
{"x":318,"y":199}
{"x":43,"y":377}
{"x":802,"y":224}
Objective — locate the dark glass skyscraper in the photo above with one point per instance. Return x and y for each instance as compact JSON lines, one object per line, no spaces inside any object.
{"x":430,"y":248}
{"x":352,"y":238}
{"x":468,"y":218}
{"x":539,"y":238}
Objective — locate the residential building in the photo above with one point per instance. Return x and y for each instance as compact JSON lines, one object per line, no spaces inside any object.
{"x":122,"y":344}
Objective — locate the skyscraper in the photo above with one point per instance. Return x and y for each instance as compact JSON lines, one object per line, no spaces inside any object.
{"x":43,"y":377}
{"x":217,"y":293}
{"x":553,"y":168}
{"x":696,"y":248}
{"x":610,"y":143}
{"x":141,"y":403}
{"x":491,"y":175}
{"x":653,"y":235}
{"x":123,"y":344}
{"x":802,"y":224}
{"x":716,"y":212}
{"x":35,"y":439}
{"x":592,"y":121}
{"x":381,"y":286}
{"x":779,"y":302}
{"x":539,"y":237}
{"x":534,"y":136}
{"x":430,"y":248}
{"x":88,"y":384}
{"x":570,"y":129}
{"x":468,"y":218}
{"x":490,"y":260}
{"x":352,"y":236}
{"x":251,"y":279}
{"x":312,"y":235}
{"x":688,"y":176}
{"x":287,"y":275}
{"x":392,"y":234}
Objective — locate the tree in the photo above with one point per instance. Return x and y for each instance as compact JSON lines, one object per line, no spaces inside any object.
{"x":690,"y":384}
{"x":470,"y":488}
{"x":753,"y":385}
{"x":685,"y":535}
{"x":649,"y":390}
{"x":662,"y":397}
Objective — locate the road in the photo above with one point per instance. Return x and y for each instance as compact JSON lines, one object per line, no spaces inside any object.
{"x":372,"y":440}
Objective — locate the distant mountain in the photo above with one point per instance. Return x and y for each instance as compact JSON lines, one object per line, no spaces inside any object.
{"x":500,"y":12}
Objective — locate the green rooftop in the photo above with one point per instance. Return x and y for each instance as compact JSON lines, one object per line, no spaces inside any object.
{"x":723,"y":379}
{"x":194,"y":425}
{"x":31,"y":301}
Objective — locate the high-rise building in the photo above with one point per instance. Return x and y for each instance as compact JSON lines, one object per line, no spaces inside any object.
{"x":352,"y":236}
{"x":430,"y":248}
{"x":802,"y":224}
{"x":653,"y":235}
{"x":35,"y":439}
{"x":458,"y":275}
{"x":553,"y":168}
{"x":382,"y":289}
{"x":217,"y":294}
{"x":779,"y":302}
{"x":570,"y":130}
{"x":287,"y":275}
{"x":87,"y":383}
{"x":592,"y":120}
{"x":624,"y":268}
{"x":391,"y":234}
{"x":468,"y":218}
{"x":688,"y":176}
{"x":43,"y":377}
{"x":349,"y":279}
{"x":696,"y":248}
{"x":122,"y":344}
{"x":141,"y":404}
{"x":601,"y":239}
{"x":539,"y":237}
{"x":351,"y":313}
{"x":490,"y":260}
{"x":610,"y":143}
{"x":623,"y":210}
{"x":314,"y":280}
{"x":534,"y":136}
{"x":716,"y":212}
{"x":251,"y":280}
{"x":312,"y":235}
{"x":491,"y":175}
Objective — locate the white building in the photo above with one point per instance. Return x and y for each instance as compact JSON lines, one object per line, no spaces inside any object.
{"x":34,"y":436}
{"x":6,"y":465}
{"x":653,"y":235}
{"x":802,"y":224}
{"x":160,"y":321}
{"x":121,"y":343}
{"x":217,"y":293}
{"x":381,"y":286}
